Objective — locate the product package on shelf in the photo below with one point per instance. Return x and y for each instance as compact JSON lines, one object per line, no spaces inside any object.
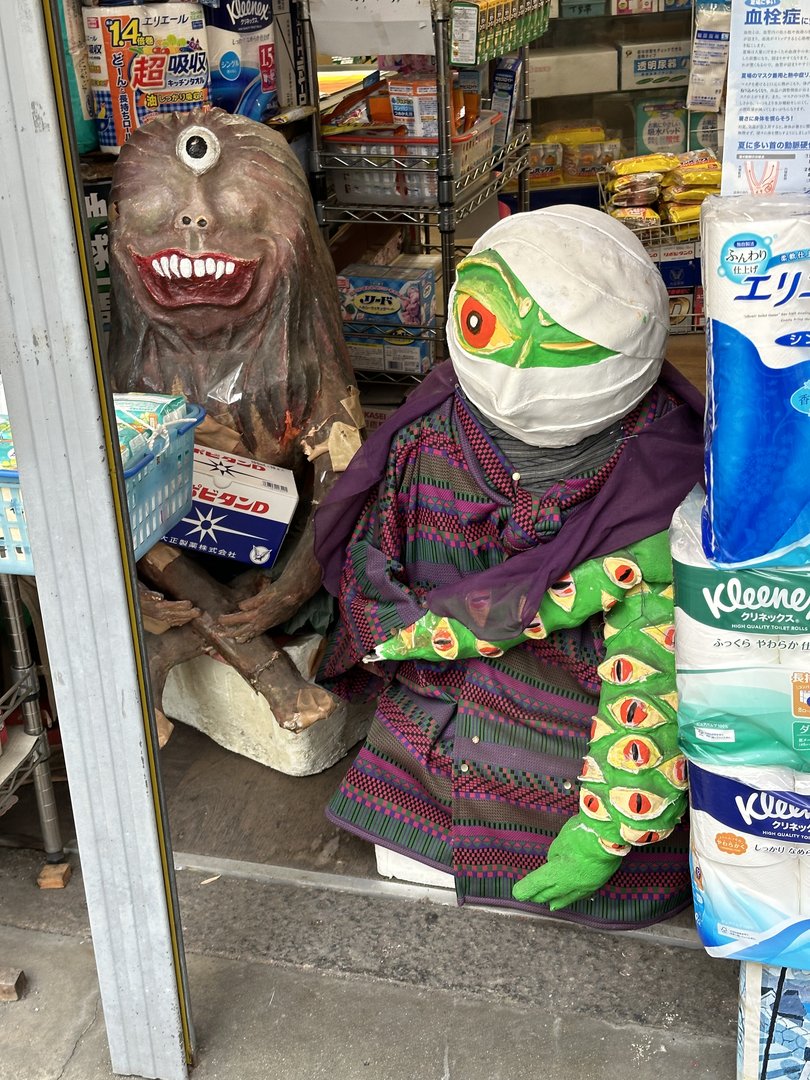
{"x":650,"y":64}
{"x":242,"y":58}
{"x":386,"y":311}
{"x":661,"y":125}
{"x":96,"y":196}
{"x":289,"y":55}
{"x":144,"y":59}
{"x":742,"y":652}
{"x":155,"y":440}
{"x":241,"y":508}
{"x":585,"y":69}
{"x":755,"y":258}
{"x":391,"y":184}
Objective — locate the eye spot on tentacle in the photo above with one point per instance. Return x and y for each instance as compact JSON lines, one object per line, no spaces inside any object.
{"x":639,"y":837}
{"x":623,"y":668}
{"x":563,"y":592}
{"x":635,"y":713}
{"x":663,"y":635}
{"x":637,"y":804}
{"x":675,"y":771}
{"x":633,"y":754}
{"x":591,"y":805}
{"x":591,"y":771}
{"x":622,"y":572}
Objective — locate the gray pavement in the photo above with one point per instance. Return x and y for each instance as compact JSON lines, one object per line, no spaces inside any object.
{"x":292,"y":981}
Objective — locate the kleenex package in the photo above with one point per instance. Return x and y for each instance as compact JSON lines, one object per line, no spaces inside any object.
{"x":756,"y":275}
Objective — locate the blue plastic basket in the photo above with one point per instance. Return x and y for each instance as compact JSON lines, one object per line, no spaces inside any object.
{"x":158,"y":496}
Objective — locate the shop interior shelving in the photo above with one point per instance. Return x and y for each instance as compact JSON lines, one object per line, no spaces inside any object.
{"x":457,"y":196}
{"x":26,"y":753}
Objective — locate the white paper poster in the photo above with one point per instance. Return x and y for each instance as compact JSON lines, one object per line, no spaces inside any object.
{"x":372,"y":27}
{"x":767,"y":142}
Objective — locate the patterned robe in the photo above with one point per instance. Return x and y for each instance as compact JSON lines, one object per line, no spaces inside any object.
{"x":471,"y":765}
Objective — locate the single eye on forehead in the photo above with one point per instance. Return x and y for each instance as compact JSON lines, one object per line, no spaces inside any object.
{"x":198,"y":148}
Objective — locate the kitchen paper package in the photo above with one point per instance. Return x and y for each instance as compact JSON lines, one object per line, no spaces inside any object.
{"x":756,"y":276}
{"x":742,"y":655}
{"x":144,"y":59}
{"x":749,"y":846}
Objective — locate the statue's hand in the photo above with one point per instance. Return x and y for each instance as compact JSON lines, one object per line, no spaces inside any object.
{"x":272,"y":604}
{"x":577,"y":866}
{"x":160,"y":614}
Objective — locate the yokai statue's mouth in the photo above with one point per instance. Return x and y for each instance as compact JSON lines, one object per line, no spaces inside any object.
{"x":176,"y":278}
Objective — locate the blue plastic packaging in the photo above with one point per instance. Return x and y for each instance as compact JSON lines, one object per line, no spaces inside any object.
{"x":756,"y":273}
{"x":242,"y":56}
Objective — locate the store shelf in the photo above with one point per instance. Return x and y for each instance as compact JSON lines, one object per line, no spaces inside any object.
{"x":470,"y":190}
{"x":21,"y":755}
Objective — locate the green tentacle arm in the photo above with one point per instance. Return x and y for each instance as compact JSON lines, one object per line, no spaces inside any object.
{"x":633,"y":779}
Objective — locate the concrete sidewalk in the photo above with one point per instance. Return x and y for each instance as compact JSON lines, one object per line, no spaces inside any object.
{"x":298,"y":982}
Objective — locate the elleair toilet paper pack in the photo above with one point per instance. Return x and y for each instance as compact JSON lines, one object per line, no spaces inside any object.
{"x":756,"y":276}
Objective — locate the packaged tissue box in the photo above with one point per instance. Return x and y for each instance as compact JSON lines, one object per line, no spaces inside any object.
{"x":742,"y":656}
{"x":756,"y":276}
{"x":241,"y":508}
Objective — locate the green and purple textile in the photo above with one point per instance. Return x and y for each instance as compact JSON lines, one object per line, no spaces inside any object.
{"x":473,"y":765}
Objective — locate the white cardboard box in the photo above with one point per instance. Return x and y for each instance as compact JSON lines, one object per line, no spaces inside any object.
{"x":555,"y":72}
{"x":647,"y":65}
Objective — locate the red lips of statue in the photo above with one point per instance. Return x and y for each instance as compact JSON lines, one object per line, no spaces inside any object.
{"x":176,"y":278}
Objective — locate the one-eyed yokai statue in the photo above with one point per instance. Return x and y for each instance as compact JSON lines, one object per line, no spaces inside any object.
{"x":500,"y":554}
{"x":224,"y":291}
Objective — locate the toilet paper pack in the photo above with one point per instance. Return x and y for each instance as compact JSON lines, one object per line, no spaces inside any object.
{"x":742,"y":656}
{"x":750,"y":846}
{"x":756,"y":276}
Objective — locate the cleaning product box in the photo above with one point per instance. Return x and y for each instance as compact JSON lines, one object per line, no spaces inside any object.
{"x":415,"y":103}
{"x":505,"y":94}
{"x":289,"y":53}
{"x":661,"y":126}
{"x":653,"y":64}
{"x":380,"y":305}
{"x":756,"y":267}
{"x":742,"y":656}
{"x":468,"y":32}
{"x":575,"y":70}
{"x":241,"y":508}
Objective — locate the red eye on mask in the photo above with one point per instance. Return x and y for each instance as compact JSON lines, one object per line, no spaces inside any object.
{"x":477,"y":323}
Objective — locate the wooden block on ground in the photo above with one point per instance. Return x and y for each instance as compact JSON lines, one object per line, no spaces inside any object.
{"x":54,"y":876}
{"x":12,"y":984}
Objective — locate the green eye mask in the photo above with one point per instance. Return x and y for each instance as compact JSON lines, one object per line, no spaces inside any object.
{"x":496,"y":318}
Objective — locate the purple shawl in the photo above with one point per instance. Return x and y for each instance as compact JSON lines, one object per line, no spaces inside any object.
{"x":655,"y":471}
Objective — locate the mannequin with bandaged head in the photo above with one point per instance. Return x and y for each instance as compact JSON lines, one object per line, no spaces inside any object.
{"x":511,"y":555}
{"x":556,"y":330}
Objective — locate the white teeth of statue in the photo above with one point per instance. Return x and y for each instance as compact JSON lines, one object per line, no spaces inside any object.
{"x":164,"y":262}
{"x":156,"y":267}
{"x":229,"y":268}
{"x":210,"y":266}
{"x":185,"y":268}
{"x":220,"y":269}
{"x":174,"y":265}
{"x":199,"y":268}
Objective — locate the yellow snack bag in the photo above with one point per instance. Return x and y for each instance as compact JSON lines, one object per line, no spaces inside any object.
{"x":678,"y":193}
{"x":571,"y":132}
{"x":633,"y":181}
{"x":662,"y":163}
{"x":683,"y":212}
